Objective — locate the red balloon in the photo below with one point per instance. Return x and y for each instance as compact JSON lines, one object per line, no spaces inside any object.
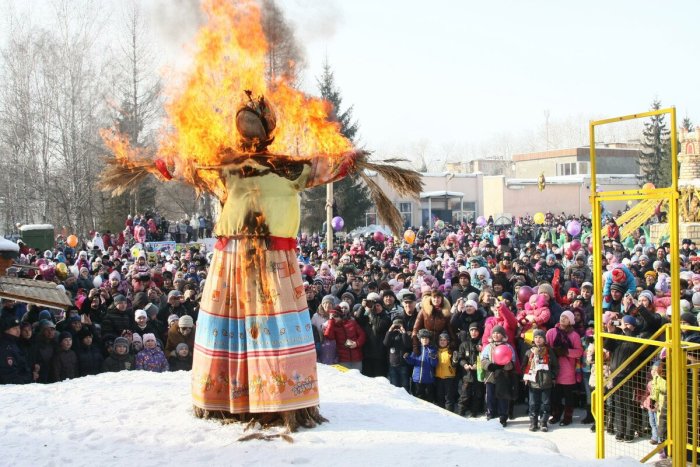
{"x":502,"y":354}
{"x":575,"y":244}
{"x":378,"y":237}
{"x":524,"y":294}
{"x":569,"y":253}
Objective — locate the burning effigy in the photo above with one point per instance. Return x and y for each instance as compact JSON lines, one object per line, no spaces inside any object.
{"x":255,"y":146}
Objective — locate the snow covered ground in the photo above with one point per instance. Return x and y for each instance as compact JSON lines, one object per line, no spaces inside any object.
{"x":145,"y":419}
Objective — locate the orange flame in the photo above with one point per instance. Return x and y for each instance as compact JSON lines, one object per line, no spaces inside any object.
{"x":230,"y":58}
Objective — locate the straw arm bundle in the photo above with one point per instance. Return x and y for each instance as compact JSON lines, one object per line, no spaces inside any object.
{"x":406,"y":182}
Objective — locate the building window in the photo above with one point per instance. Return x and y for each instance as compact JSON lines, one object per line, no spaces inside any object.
{"x":583,"y":168}
{"x":567,"y":168}
{"x":406,"y":211}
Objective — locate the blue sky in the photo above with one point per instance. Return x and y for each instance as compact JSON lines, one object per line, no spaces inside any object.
{"x":463,"y":73}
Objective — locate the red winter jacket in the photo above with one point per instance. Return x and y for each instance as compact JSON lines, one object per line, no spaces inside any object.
{"x":341,"y":332}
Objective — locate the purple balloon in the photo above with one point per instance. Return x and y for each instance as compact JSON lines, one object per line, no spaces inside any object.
{"x":337,"y":223}
{"x":481,"y":221}
{"x":574,"y":228}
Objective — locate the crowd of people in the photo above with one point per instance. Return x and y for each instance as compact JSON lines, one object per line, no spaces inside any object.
{"x":470,"y":317}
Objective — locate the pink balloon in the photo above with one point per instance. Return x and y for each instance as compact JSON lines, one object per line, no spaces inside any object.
{"x":575,"y":244}
{"x":502,"y":354}
{"x":378,"y":237}
{"x":524,"y":294}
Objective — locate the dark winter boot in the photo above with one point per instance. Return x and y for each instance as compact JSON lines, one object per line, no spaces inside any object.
{"x":589,"y":416}
{"x":504,"y":421}
{"x":556,"y":415}
{"x":568,"y":416}
{"x":543,"y":422}
{"x":533,"y":424}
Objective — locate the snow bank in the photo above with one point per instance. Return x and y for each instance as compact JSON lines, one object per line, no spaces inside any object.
{"x":145,"y":419}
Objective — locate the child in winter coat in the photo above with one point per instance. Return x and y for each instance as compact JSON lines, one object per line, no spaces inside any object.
{"x":498,"y":377}
{"x":445,"y":387}
{"x":539,"y":375}
{"x":119,"y":357}
{"x":535,"y":315}
{"x":182,"y":360}
{"x":64,"y":364}
{"x":658,"y":397}
{"x":151,"y":358}
{"x":423,"y":367}
{"x":468,"y":360}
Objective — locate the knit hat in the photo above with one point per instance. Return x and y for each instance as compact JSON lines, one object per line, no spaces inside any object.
{"x":473,"y":296}
{"x":499,"y":329}
{"x":328,"y":298}
{"x":696,"y":299}
{"x":423,"y":333}
{"x":473,"y":325}
{"x":398,"y":321}
{"x":586,"y":285}
{"x":569,"y":315}
{"x":83,"y":333}
{"x":546,"y":288}
{"x":649,"y":296}
{"x":45,"y":314}
{"x":651,"y":274}
{"x":182,"y":346}
{"x":172,"y":318}
{"x":185,"y":321}
{"x":140,"y":314}
{"x":662,"y":283}
{"x":619,"y":287}
{"x":63,"y":335}
{"x":149,"y":337}
{"x":121,"y":341}
{"x":119,"y":298}
{"x":618,"y":276}
{"x":629,"y":319}
{"x":45,"y":323}
{"x":137,"y":338}
{"x":471,"y":303}
{"x":445,"y":335}
{"x":539,"y":333}
{"x":507,"y":296}
{"x":607,"y":316}
{"x":689,"y":318}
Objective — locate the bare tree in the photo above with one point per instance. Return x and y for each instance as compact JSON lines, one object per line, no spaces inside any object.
{"x":285,"y":56}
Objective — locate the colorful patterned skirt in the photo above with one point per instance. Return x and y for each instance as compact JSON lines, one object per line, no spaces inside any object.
{"x":254,"y":347}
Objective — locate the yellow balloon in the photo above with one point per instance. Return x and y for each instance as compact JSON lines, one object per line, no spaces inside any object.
{"x":538,"y":218}
{"x":409,"y":236}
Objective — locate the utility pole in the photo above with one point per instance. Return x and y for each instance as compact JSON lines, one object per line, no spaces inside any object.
{"x":329,"y":217}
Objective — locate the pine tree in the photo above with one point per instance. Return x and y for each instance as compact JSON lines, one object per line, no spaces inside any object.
{"x":350,"y":196}
{"x":687,"y":124}
{"x":655,"y":158}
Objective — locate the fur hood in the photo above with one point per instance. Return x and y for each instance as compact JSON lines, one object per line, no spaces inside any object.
{"x":427,"y":307}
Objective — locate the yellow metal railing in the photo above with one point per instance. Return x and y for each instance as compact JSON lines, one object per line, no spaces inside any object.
{"x":677,"y":416}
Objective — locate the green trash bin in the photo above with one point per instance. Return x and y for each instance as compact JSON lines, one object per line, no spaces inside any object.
{"x":38,"y":236}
